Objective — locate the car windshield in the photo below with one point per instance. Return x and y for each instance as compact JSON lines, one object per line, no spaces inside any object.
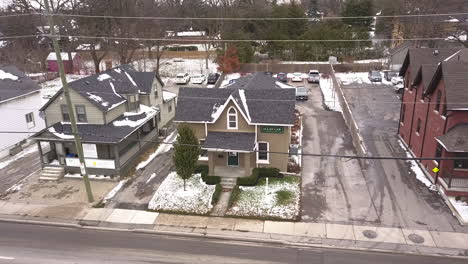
{"x":301,"y":90}
{"x":197,"y":76}
{"x":315,"y":74}
{"x":297,"y":74}
{"x":180,"y":75}
{"x":281,"y":74}
{"x":375,"y":74}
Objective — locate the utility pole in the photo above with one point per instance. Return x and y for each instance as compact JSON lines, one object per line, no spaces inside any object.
{"x":66,"y":93}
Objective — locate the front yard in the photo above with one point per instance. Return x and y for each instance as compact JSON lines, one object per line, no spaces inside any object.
{"x":278,"y":200}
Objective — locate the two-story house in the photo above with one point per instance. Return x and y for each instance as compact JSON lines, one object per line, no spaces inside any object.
{"x":239,"y":129}
{"x":434,"y":115}
{"x":20,"y":101}
{"x":118,"y":113}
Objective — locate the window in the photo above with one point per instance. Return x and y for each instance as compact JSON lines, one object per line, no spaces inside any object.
{"x":438,"y":152}
{"x":262,"y":155}
{"x":81,"y":113}
{"x":65,"y":114}
{"x":461,"y":163}
{"x":133,"y":103}
{"x":403,"y":110}
{"x":203,"y":152}
{"x":30,"y":120}
{"x":169,"y":107}
{"x":418,"y":126}
{"x":156,"y":92}
{"x":232,"y":118}
{"x":439,"y":98}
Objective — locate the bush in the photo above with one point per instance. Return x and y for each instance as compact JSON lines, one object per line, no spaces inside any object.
{"x":269,"y":172}
{"x":216,"y":194}
{"x":203,"y":170}
{"x":258,"y":173}
{"x":234,"y":196}
{"x":284,"y":197}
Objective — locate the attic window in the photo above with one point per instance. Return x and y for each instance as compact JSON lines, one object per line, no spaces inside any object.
{"x":232,"y":118}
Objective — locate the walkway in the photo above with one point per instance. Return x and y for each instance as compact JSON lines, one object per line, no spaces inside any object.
{"x":223,"y":204}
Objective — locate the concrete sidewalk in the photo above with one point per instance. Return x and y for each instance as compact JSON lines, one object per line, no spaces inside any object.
{"x":307,"y":234}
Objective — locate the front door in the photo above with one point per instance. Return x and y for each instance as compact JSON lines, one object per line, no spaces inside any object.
{"x":233,"y":159}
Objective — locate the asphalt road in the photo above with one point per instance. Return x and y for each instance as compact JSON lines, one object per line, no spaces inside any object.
{"x":22,"y":243}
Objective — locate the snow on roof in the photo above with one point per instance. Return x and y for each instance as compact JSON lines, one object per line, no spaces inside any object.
{"x":6,"y":75}
{"x":130,"y":78}
{"x":283,"y":85}
{"x":60,"y":135}
{"x":103,"y":77}
{"x":452,"y":20}
{"x":53,"y":57}
{"x":148,"y":111}
{"x":191,"y":33}
{"x":88,"y":47}
{"x":168,"y":96}
{"x":244,"y":103}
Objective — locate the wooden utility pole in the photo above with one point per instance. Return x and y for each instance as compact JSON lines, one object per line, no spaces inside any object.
{"x":66,"y":93}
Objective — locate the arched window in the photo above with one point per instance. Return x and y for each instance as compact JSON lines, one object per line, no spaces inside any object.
{"x":232,"y":118}
{"x":438,"y":100}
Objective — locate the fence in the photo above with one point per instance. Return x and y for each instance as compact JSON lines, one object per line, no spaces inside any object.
{"x":305,"y":67}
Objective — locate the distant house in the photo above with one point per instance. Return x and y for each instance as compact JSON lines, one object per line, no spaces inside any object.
{"x":118,"y":112}
{"x":240,"y":127}
{"x":20,"y":101}
{"x":71,"y":66}
{"x":434,"y":113}
{"x":397,"y":55}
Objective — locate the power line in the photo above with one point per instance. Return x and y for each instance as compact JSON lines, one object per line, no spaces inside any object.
{"x":270,"y":152}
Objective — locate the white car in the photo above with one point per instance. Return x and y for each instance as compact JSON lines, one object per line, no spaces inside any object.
{"x":297,"y":77}
{"x":198,"y":79}
{"x":182,"y":78}
{"x":397,"y":80}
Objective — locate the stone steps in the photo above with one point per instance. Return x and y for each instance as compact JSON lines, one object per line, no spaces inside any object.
{"x":50,"y":173}
{"x":228,"y":183}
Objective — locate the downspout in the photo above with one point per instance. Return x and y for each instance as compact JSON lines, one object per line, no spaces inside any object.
{"x":443,"y":132}
{"x":412,"y":116}
{"x":425,"y":126}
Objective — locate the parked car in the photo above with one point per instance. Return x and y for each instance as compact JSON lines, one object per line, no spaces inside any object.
{"x":297,"y":77}
{"x":397,"y":80}
{"x":302,"y":93}
{"x":282,"y":77}
{"x":388,"y":75}
{"x":399,"y":88}
{"x":182,"y":78}
{"x":212,"y":78}
{"x":198,"y":79}
{"x":375,"y":76}
{"x":314,"y":76}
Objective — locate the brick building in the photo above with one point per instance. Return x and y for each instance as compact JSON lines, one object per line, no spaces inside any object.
{"x":434,"y":113}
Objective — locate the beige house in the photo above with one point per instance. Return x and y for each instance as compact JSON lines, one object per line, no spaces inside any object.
{"x":239,"y":129}
{"x":117,"y":111}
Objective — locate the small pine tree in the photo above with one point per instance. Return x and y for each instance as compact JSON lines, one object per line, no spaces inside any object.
{"x":186,"y":152}
{"x":229,"y":62}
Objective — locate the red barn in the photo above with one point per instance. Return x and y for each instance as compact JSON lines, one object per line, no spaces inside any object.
{"x":434,"y":113}
{"x":73,"y":66}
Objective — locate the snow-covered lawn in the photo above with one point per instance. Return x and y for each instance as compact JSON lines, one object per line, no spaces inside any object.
{"x":171,"y":67}
{"x":330,"y":97}
{"x":461,"y":207}
{"x":252,"y":201}
{"x":420,"y":175}
{"x":171,"y":196}
{"x":347,"y":78}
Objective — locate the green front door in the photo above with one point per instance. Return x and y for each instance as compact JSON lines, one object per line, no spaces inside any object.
{"x":233,"y":159}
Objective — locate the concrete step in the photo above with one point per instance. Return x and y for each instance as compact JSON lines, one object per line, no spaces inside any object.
{"x":228,"y":183}
{"x":52,"y":173}
{"x":59,"y":169}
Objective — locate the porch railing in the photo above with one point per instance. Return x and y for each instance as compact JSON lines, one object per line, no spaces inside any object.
{"x":91,"y":163}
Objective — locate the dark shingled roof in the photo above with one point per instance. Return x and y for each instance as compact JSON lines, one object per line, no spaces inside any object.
{"x":425,"y":74}
{"x":259,"y":80}
{"x":267,"y":106}
{"x":230,"y":141}
{"x":418,"y":56}
{"x":456,"y":139}
{"x":13,"y":88}
{"x":97,"y":133}
{"x":105,"y":92}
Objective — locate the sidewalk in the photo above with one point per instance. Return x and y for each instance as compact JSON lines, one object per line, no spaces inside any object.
{"x":288,"y":233}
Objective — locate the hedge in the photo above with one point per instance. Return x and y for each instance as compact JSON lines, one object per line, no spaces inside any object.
{"x":258,"y":173}
{"x":216,"y":194}
{"x":203,"y":170}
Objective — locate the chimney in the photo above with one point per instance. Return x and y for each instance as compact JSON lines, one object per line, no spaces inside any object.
{"x":436,"y":52}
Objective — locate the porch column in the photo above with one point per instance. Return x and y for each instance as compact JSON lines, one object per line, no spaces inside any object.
{"x":247,"y":163}
{"x":139,"y":138}
{"x":211,"y":162}
{"x":116,"y":156}
{"x":40,"y":153}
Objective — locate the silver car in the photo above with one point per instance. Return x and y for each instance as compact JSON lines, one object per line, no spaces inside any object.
{"x":302,"y":93}
{"x":313,"y":77}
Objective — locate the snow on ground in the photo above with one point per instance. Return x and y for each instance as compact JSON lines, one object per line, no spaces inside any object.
{"x":330,"y":97}
{"x":151,"y":178}
{"x":171,"y":196}
{"x":171,"y":67}
{"x":26,"y":151}
{"x":91,"y":177}
{"x":229,"y":77}
{"x":252,"y":200}
{"x":163,"y":148}
{"x":461,"y":207}
{"x":348,"y":78}
{"x":304,"y":62}
{"x":420,"y":175}
{"x":114,"y":191}
{"x":49,"y":88}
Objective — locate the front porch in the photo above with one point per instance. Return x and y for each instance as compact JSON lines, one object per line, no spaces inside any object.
{"x":231,"y":164}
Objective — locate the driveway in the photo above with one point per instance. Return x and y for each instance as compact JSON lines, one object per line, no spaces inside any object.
{"x":398,"y":197}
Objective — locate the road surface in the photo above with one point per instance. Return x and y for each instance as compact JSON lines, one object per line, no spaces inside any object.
{"x":23,"y":243}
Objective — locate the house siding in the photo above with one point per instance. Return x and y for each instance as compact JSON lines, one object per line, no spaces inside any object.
{"x":167,"y":116}
{"x":221,"y":124}
{"x":54,"y":113}
{"x":409,"y":97}
{"x":421,"y":107}
{"x":277,"y":143}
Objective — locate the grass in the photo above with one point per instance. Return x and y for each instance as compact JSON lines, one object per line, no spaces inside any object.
{"x":284,"y":197}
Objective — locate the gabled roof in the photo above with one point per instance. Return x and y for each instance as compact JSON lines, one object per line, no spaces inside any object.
{"x":425,"y":74}
{"x":455,"y":76}
{"x":267,"y":106}
{"x":105,"y":89}
{"x":456,"y":139}
{"x":14,"y":83}
{"x":401,"y":47}
{"x":418,"y":56}
{"x":259,"y":80}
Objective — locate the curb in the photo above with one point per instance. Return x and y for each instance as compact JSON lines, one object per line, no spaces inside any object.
{"x":271,"y":241}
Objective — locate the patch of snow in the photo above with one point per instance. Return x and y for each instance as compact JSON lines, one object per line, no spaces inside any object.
{"x":54,"y":162}
{"x":131,"y":79}
{"x":60,"y":135}
{"x":113,"y":89}
{"x":151,"y":178}
{"x":217,"y":110}
{"x":453,"y":20}
{"x":229,"y":77}
{"x":420,"y":175}
{"x":260,"y":201}
{"x":114,"y":191}
{"x":115,"y":105}
{"x":117,"y":70}
{"x":284,"y":85}
{"x":103,"y":77}
{"x":163,"y":148}
{"x":304,"y":62}
{"x":244,"y":103}
{"x":171,"y":196}
{"x":53,"y":57}
{"x":168,"y":96}
{"x":6,"y":75}
{"x":91,"y":177}
{"x":210,"y":86}
{"x":26,"y":151}
{"x":50,"y":88}
{"x":330,"y":98}
{"x":150,"y":112}
{"x":94,"y":97}
{"x":461,"y":207}
{"x":353,"y":77}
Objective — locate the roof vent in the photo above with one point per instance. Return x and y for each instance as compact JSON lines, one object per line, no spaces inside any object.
{"x":436,"y":52}
{"x":87,"y":82}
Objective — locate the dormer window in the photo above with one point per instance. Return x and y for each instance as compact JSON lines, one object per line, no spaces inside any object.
{"x":232,"y":118}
